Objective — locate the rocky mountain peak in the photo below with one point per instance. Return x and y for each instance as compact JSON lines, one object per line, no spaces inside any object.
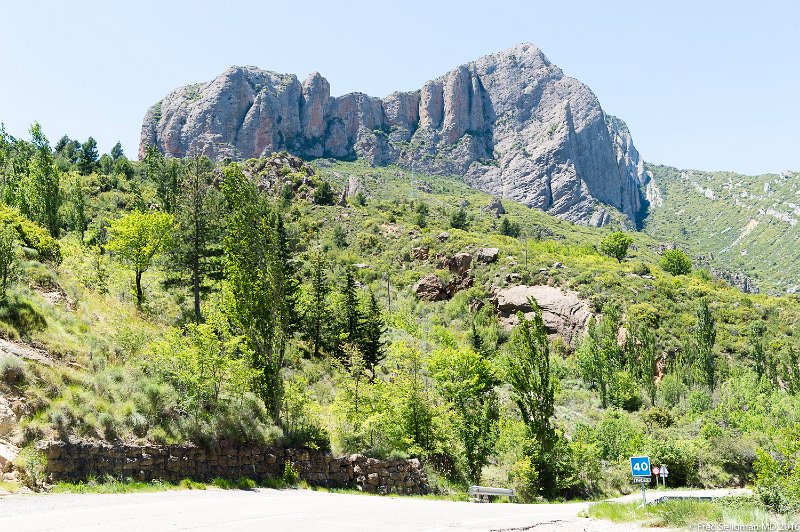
{"x":511,"y":123}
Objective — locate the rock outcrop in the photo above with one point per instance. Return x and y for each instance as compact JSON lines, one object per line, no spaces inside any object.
{"x":563,"y":312}
{"x":510,"y":122}
{"x":430,"y":288}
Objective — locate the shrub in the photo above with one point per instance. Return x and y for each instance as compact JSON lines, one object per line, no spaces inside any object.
{"x":12,"y":370}
{"x":624,"y":392}
{"x":676,"y":262}
{"x":290,"y":474}
{"x":323,"y":194}
{"x":458,"y":220}
{"x":32,"y":464}
{"x":509,"y":228}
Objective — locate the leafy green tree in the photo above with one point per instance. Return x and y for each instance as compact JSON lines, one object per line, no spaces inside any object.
{"x":260,"y":282}
{"x":421,"y":214}
{"x":641,"y":353}
{"x":533,"y":391}
{"x":676,"y":262}
{"x":199,"y":227}
{"x":8,"y":257}
{"x":466,"y":380}
{"x":458,"y":219}
{"x":616,"y":245}
{"x":165,"y":173}
{"x":599,"y":356}
{"x":75,"y":206}
{"x":757,"y":348}
{"x":42,"y":194}
{"x":117,"y":152}
{"x":137,"y":238}
{"x":88,"y":157}
{"x":705,"y":337}
{"x":509,"y":228}
{"x":67,"y":152}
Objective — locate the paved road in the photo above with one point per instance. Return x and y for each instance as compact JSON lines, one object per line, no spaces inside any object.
{"x":273,"y":510}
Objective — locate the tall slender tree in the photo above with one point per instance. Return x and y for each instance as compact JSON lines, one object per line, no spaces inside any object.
{"x":260,"y":282}
{"x":373,"y":329}
{"x":704,"y":339}
{"x":317,"y":312}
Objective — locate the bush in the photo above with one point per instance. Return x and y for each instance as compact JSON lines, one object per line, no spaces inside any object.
{"x":676,"y":262}
{"x":624,"y":392}
{"x":12,"y":370}
{"x":290,"y":474}
{"x":323,"y":194}
{"x":458,"y":220}
{"x":32,"y":464}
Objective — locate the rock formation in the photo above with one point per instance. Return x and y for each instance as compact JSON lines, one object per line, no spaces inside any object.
{"x":510,"y":122}
{"x":563,"y":312}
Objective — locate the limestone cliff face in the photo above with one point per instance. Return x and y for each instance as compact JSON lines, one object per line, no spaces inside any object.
{"x":511,"y":123}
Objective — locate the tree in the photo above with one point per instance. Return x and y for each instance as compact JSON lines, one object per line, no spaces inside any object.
{"x":323,"y":194}
{"x":137,"y":238}
{"x":117,"y":152}
{"x":372,"y":331}
{"x":88,"y":156}
{"x":509,"y":228}
{"x":757,"y":348}
{"x":165,"y":173}
{"x":533,"y":391}
{"x":599,"y":356}
{"x":317,"y":314}
{"x":199,"y":227}
{"x":8,"y":257}
{"x":261,"y":288}
{"x":676,"y":262}
{"x":466,"y":380}
{"x":458,"y":220}
{"x":40,"y":187}
{"x":641,"y":350}
{"x":76,"y":207}
{"x":616,"y":245}
{"x":704,"y":339}
{"x":351,"y":317}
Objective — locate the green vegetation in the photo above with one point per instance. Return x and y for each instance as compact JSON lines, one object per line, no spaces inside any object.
{"x":272,"y":317}
{"x":616,"y":245}
{"x":743,"y":511}
{"x":676,"y":262}
{"x":735,"y":222}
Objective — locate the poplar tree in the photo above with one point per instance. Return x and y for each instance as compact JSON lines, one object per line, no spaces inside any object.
{"x":705,"y":337}
{"x":260,"y":282}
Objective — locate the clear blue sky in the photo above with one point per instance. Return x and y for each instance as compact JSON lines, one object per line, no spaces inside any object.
{"x":702,"y":84}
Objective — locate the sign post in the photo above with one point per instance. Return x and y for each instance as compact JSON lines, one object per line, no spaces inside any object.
{"x":656,"y":471}
{"x":664,"y":473}
{"x":640,"y":469}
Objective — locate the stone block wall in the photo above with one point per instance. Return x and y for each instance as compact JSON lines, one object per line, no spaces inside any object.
{"x":77,"y":461}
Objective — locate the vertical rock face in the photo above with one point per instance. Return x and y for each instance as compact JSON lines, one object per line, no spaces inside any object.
{"x":510,"y":122}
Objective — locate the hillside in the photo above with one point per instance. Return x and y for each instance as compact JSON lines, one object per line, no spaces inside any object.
{"x":398,"y":325}
{"x":743,"y":223}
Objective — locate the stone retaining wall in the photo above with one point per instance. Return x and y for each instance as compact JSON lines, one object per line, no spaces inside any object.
{"x":77,"y":461}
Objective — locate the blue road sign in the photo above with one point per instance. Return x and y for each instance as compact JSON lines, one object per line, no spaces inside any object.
{"x":640,"y":466}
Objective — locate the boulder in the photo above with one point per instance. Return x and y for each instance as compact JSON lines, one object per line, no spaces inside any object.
{"x":487,"y":255}
{"x":419,"y":253}
{"x":458,"y":264}
{"x":443,"y":236}
{"x":563,"y":312}
{"x":495,"y":208}
{"x":430,"y":288}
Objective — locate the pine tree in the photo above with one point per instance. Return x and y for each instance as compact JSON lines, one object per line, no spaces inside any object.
{"x":351,"y":316}
{"x":117,"y":152}
{"x":373,"y":329}
{"x":199,"y":227}
{"x":318,"y":314}
{"x":88,"y":156}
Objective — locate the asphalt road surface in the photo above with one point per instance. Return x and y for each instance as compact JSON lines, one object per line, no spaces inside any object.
{"x":274,"y":510}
